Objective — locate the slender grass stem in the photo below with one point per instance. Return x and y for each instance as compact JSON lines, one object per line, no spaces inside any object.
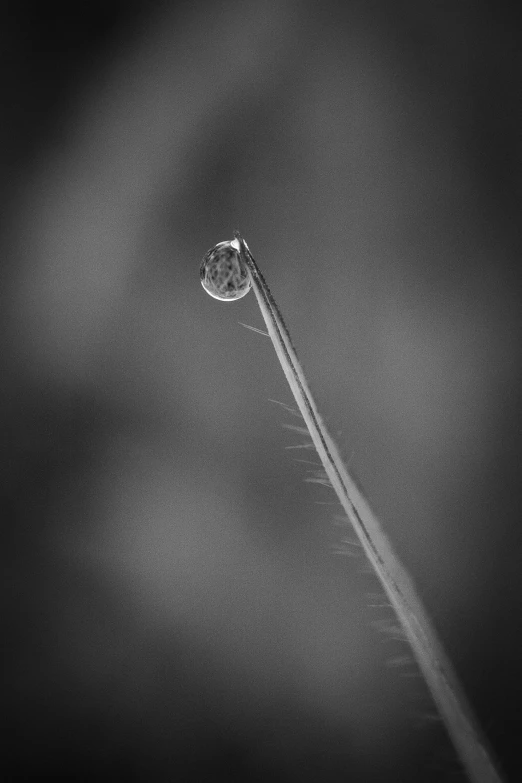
{"x":441,"y":679}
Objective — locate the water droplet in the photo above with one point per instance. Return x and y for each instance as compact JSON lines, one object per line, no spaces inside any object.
{"x":224,"y":275}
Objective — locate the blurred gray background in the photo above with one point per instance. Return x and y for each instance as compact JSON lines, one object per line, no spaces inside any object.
{"x":174,"y":608}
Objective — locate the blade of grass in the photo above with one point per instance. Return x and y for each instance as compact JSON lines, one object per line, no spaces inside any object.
{"x":441,"y":679}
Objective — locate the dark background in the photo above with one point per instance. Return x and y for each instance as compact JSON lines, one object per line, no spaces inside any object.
{"x":173,"y":606}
